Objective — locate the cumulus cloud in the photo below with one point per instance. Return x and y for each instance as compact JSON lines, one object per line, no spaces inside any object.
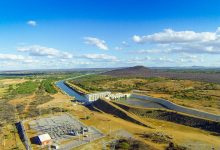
{"x":37,"y":50}
{"x":11,"y":57}
{"x":186,"y":58}
{"x":16,"y":58}
{"x":171,"y":36}
{"x":125,"y":44}
{"x":150,"y":51}
{"x":32,"y":23}
{"x":100,"y":57}
{"x":170,"y":41}
{"x":148,"y":59}
{"x":118,"y":48}
{"x":101,"y":44}
{"x":182,"y":60}
{"x":138,"y":39}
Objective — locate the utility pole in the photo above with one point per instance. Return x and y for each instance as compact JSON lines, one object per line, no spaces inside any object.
{"x":40,"y":112}
{"x":61,"y":108}
{"x":17,"y":118}
{"x":3,"y":141}
{"x":85,"y":114}
{"x":110,"y":131}
{"x":15,"y":136}
{"x":51,"y":111}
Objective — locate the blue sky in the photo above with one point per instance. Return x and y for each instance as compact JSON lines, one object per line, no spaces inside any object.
{"x":83,"y":33}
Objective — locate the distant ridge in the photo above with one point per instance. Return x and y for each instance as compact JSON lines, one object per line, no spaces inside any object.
{"x":142,"y":71}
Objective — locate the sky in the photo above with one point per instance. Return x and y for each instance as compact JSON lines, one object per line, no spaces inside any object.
{"x":62,"y":34}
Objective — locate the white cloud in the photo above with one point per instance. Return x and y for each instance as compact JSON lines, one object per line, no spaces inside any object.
{"x":37,"y":50}
{"x":32,"y":23}
{"x":150,"y":51}
{"x":125,"y":44}
{"x":218,"y":30}
{"x":171,"y":36}
{"x":101,"y":44}
{"x":152,"y":60}
{"x":164,"y":60}
{"x":118,"y":48}
{"x":100,"y":57}
{"x":138,"y":39}
{"x":170,"y":41}
{"x":137,"y":60}
{"x":16,"y":58}
{"x":186,"y":58}
{"x":11,"y":57}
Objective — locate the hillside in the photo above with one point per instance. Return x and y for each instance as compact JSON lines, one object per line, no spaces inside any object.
{"x":141,"y":71}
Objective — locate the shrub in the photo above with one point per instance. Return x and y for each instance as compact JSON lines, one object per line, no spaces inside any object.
{"x":48,"y":86}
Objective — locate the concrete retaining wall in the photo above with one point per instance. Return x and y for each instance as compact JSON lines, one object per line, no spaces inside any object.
{"x":179,"y":108}
{"x":23,"y":136}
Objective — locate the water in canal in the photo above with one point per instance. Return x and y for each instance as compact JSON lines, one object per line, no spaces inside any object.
{"x":70,"y":91}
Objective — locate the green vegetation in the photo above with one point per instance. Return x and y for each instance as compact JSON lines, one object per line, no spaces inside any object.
{"x":131,"y":144}
{"x":28,"y":87}
{"x":87,"y":117}
{"x":48,"y":85}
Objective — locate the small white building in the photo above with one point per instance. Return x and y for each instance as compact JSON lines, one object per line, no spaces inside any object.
{"x":43,"y":139}
{"x":95,"y":96}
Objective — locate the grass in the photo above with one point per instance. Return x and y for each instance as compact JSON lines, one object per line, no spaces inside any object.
{"x":28,"y":87}
{"x":3,"y":91}
{"x":10,"y":139}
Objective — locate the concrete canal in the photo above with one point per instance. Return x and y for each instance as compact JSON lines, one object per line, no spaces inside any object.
{"x":69,"y":91}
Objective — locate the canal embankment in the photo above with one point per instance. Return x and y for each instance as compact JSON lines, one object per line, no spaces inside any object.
{"x":178,"y":108}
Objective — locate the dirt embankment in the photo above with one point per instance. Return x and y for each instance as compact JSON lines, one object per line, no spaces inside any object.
{"x":110,"y":108}
{"x":173,"y":117}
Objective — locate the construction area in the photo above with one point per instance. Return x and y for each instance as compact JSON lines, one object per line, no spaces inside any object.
{"x":65,"y":132}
